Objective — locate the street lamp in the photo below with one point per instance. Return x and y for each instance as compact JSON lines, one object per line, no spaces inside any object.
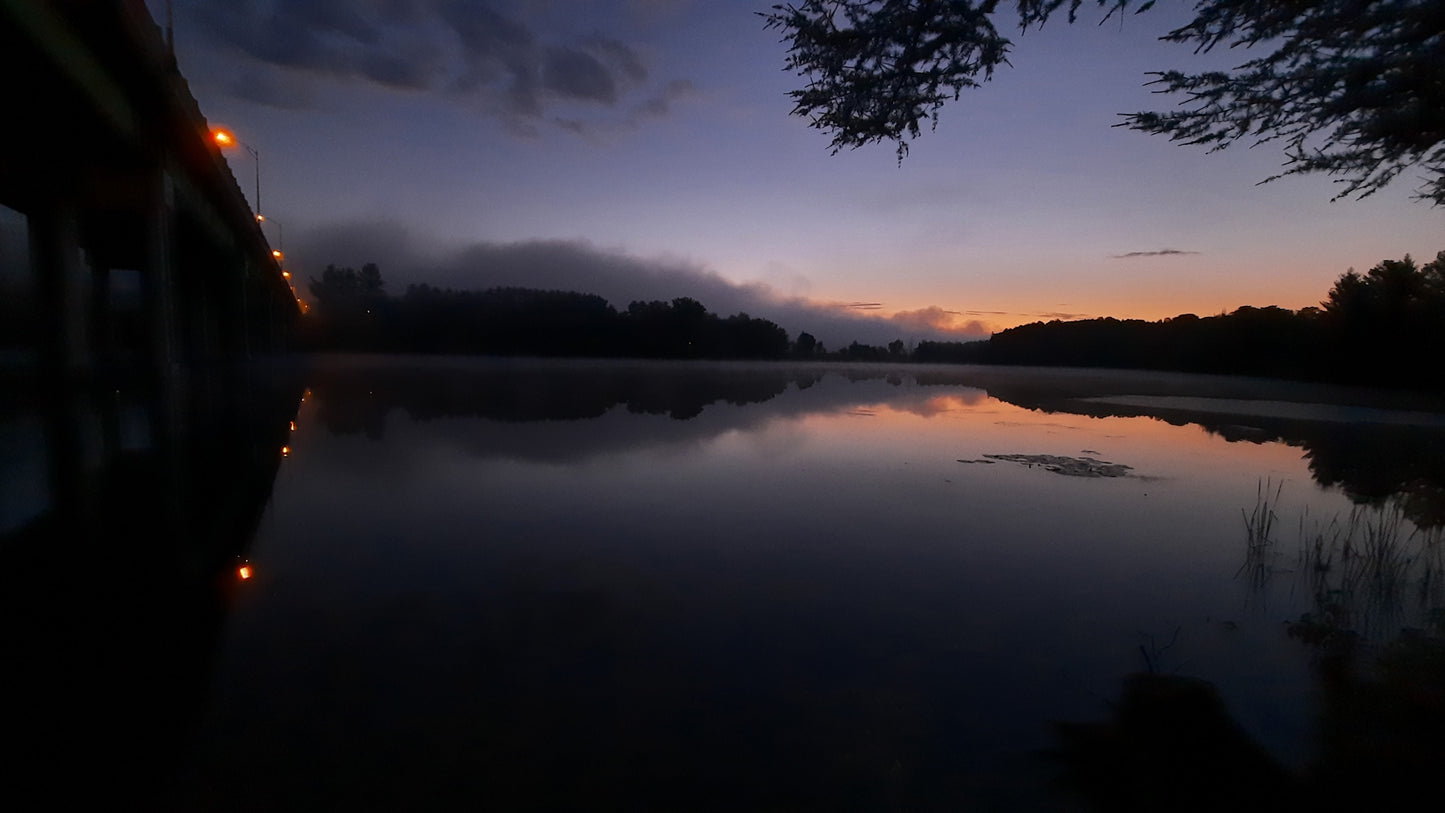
{"x":280,"y":232}
{"x":225,"y":139}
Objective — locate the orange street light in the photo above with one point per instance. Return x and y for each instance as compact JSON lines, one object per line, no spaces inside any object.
{"x":280,"y":232}
{"x":225,"y":139}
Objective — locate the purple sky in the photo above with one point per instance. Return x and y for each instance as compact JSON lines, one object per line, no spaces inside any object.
{"x":643,"y":149}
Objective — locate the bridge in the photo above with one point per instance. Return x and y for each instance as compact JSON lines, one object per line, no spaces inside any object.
{"x":143,"y":418}
{"x":106,"y":156}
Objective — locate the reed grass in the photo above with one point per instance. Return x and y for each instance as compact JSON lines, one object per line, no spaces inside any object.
{"x":1260,"y":552}
{"x":1367,"y":566}
{"x":1259,"y":523}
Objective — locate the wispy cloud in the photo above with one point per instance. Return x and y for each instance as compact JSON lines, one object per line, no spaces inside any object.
{"x":1016,"y":317}
{"x":1163,"y":252}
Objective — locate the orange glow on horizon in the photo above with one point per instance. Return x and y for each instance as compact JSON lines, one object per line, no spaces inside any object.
{"x":1105,"y":287}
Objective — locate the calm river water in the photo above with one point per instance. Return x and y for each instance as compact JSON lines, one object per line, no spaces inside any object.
{"x":521,"y":585}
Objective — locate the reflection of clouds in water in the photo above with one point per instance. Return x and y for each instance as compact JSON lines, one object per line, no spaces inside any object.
{"x":939,"y":404}
{"x":571,"y":411}
{"x":565,"y":411}
{"x":778,"y":439}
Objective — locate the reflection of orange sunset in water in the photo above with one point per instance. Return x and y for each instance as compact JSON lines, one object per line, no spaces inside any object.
{"x":963,"y":457}
{"x":942,"y":403}
{"x":968,"y":425}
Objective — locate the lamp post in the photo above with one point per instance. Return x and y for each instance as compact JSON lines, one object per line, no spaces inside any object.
{"x":280,"y":252}
{"x":280,"y":232}
{"x":225,"y":139}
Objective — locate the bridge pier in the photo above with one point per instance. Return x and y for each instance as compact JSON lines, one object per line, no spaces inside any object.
{"x":54,"y":236}
{"x":158,"y":294}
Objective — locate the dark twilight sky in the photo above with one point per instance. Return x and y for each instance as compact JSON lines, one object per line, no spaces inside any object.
{"x":643,"y":149}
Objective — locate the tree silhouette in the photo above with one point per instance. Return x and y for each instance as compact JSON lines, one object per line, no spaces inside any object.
{"x":344,"y":289}
{"x":806,"y":344}
{"x":1385,"y":324}
{"x":353,"y":312}
{"x":1393,"y":290}
{"x":369,"y":284}
{"x":1350,"y":88}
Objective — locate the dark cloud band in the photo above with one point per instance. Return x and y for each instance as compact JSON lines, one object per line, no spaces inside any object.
{"x":471,"y":50}
{"x":620,"y":278}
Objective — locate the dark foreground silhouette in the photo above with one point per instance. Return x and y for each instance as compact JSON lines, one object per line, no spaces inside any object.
{"x":1169,"y":742}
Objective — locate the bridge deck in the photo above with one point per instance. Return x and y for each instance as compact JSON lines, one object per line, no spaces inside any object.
{"x":107,"y":155}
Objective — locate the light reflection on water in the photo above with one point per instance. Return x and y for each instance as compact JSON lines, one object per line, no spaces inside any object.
{"x":642,"y":586}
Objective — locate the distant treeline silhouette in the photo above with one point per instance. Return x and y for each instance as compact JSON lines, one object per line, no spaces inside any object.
{"x":1385,"y":327}
{"x":353,"y":312}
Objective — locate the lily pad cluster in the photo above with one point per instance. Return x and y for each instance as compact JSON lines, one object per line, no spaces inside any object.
{"x":1062,"y":464}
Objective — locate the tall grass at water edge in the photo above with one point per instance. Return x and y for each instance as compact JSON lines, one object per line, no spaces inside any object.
{"x":1260,"y":553}
{"x":1372,"y":570}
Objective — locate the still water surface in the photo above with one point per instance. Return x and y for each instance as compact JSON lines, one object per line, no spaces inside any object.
{"x":501,"y":585}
